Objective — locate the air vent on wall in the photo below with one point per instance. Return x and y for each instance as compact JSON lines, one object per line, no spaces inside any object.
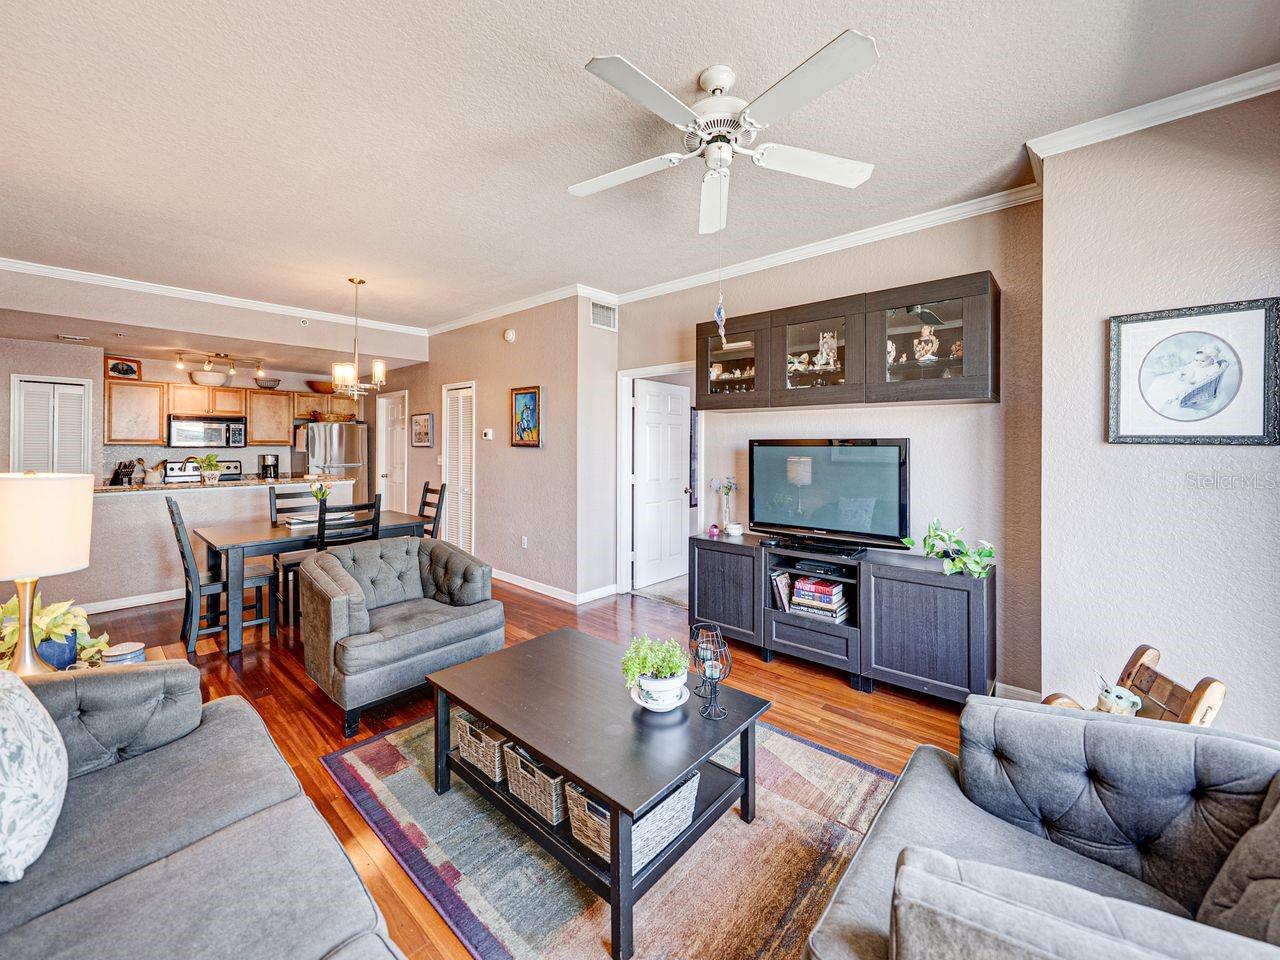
{"x":72,"y":338}
{"x":604,"y":316}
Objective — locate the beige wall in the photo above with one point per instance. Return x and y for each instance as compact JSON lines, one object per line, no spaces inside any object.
{"x":597,"y":453}
{"x":519,"y":491}
{"x":50,"y":360}
{"x":973,"y":465}
{"x":1179,"y":215}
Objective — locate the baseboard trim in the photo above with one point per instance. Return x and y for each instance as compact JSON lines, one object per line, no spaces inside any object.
{"x":1010,"y":692}
{"x":555,"y":593}
{"x":141,"y":600}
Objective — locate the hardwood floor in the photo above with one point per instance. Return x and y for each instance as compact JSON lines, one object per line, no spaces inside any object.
{"x":881,"y":729}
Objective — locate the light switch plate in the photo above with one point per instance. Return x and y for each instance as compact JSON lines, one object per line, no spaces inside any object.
{"x":487,"y":433}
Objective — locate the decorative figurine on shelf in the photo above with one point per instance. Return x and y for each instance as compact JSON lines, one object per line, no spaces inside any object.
{"x":797,"y":364}
{"x":926,"y":345}
{"x":717,"y":371}
{"x":957,"y":350}
{"x":890,"y":351}
{"x":826,"y":358}
{"x":714,"y":662}
{"x":702,"y":640}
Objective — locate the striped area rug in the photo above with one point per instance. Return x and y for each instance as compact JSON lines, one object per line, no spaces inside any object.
{"x":744,"y":892}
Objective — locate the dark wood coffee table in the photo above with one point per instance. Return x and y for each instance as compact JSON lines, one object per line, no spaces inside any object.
{"x":562,"y":697}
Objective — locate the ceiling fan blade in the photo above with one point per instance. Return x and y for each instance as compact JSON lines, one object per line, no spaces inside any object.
{"x":633,"y":172}
{"x":831,"y":66}
{"x":811,"y":164}
{"x":713,"y":213}
{"x":623,"y":75}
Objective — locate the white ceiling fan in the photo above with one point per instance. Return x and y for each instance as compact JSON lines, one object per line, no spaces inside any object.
{"x":719,"y":126}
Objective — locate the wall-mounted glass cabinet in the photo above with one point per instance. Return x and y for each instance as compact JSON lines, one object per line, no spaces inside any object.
{"x":817,"y":353}
{"x":733,"y":370}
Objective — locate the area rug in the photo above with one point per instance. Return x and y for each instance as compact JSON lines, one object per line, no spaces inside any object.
{"x":743,"y":891}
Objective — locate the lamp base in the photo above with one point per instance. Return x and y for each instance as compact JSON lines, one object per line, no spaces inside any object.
{"x":27,"y":661}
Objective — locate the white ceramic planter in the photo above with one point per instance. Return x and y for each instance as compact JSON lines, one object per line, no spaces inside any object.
{"x":662,"y":693}
{"x":209,"y":476}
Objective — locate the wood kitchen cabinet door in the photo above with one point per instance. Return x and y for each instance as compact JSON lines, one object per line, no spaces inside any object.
{"x":270,"y":418}
{"x":188,"y":398}
{"x":134,"y":412}
{"x":305,"y":404}
{"x":346,"y":406}
{"x":227,"y":401}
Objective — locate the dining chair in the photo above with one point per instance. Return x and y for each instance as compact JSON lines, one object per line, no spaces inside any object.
{"x":288,"y":598}
{"x":434,"y":503}
{"x":331,"y":532}
{"x":258,"y":576}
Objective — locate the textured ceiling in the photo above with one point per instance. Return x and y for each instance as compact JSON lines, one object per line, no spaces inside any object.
{"x":267,"y":149}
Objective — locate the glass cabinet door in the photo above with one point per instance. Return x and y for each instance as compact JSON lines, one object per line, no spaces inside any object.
{"x":731,"y":365}
{"x":733,"y":370}
{"x":817,"y":355}
{"x":924,"y":341}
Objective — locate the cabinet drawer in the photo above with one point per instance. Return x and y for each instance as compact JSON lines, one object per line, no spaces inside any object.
{"x":835,"y":644}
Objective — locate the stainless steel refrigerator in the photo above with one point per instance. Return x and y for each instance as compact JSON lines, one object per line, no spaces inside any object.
{"x":335,"y":449}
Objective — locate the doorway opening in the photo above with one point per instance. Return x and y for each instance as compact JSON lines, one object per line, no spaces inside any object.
{"x":392,"y":447}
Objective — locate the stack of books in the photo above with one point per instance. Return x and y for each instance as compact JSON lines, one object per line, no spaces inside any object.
{"x":815,"y":597}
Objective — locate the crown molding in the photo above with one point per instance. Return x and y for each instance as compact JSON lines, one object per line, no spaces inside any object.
{"x":528,"y":303}
{"x":920,"y":221}
{"x":1255,"y":83}
{"x":199,"y":296}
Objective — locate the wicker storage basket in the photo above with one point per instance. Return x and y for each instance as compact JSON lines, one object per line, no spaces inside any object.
{"x":481,"y":746}
{"x":537,"y":785}
{"x":589,"y":822}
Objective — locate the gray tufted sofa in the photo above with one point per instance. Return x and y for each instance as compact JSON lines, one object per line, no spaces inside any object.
{"x":378,"y":616}
{"x":183,"y":833}
{"x":1063,"y":834}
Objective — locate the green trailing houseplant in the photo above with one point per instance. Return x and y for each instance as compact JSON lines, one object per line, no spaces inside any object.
{"x":54,"y":622}
{"x":956,"y":555}
{"x":653,"y":659}
{"x":207,"y":463}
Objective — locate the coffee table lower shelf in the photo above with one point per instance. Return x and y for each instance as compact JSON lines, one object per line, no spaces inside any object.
{"x":718,"y":789}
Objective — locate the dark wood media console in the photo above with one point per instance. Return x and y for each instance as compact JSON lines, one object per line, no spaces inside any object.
{"x":909,"y":624}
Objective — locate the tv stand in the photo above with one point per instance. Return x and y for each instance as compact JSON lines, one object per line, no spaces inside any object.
{"x":908,"y":623}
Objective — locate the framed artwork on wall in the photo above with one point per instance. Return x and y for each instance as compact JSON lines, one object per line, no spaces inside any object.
{"x":422,"y":430}
{"x":121,"y":368}
{"x":1196,"y":375}
{"x":526,"y":416}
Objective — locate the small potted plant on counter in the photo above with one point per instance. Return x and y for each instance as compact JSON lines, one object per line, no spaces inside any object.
{"x":956,"y":555}
{"x":61,"y":633}
{"x":321,"y":490}
{"x":208,"y":464}
{"x":656,"y":671}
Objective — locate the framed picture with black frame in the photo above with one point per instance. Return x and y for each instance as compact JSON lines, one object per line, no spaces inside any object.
{"x":1197,"y":375}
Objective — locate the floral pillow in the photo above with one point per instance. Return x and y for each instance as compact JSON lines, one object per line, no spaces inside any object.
{"x":33,"y":777}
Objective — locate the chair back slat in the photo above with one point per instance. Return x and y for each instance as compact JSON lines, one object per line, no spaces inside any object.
{"x":286,"y":502}
{"x":190,"y":568}
{"x":330,"y":533}
{"x":432,"y":501}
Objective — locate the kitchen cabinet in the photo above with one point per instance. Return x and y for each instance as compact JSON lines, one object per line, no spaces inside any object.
{"x":344,"y":406}
{"x":817,"y":353}
{"x":305,"y":404}
{"x":733,"y":372}
{"x":934,"y":341}
{"x":193,"y":399}
{"x":134,"y":412}
{"x":270,"y":418}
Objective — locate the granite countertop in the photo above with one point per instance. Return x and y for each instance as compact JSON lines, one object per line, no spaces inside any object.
{"x":248,"y":481}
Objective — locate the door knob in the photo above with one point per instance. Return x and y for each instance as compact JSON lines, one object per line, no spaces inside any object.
{"x":687,"y":490}
{"x":385,"y":475}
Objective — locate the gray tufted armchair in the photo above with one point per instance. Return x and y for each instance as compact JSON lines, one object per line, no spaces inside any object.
{"x":378,"y":616}
{"x":1062,"y":834}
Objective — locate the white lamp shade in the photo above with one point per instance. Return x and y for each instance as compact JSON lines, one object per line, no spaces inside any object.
{"x":800,"y":471}
{"x":379,"y":372}
{"x":46,"y":523}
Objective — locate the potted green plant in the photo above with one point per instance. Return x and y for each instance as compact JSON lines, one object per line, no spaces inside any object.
{"x":956,"y":555}
{"x":61,"y":633}
{"x":659,"y":668}
{"x":208,"y":464}
{"x":321,"y":490}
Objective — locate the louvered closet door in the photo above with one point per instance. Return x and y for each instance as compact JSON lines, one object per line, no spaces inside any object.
{"x":70,"y":428}
{"x":459,"y":466}
{"x":52,"y":427}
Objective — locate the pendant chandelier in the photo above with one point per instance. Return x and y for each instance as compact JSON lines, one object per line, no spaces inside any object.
{"x":346,"y":376}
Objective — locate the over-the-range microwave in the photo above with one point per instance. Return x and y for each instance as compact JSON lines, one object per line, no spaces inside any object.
{"x":196,"y":431}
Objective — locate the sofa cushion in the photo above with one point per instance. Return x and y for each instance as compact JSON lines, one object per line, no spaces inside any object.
{"x":33,"y":777}
{"x":387,"y":569}
{"x":402,"y":630}
{"x":1163,"y":802}
{"x":949,"y":909}
{"x":927,"y":808}
{"x":1245,"y":896}
{"x":275,"y":884}
{"x":127,"y":815}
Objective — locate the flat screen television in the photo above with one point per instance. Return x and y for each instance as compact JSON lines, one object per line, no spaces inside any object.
{"x":853,"y":491}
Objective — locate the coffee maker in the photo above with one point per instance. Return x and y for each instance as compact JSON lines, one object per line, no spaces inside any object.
{"x":269,"y":466}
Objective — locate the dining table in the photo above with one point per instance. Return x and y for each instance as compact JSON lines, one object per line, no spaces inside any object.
{"x":228,"y":545}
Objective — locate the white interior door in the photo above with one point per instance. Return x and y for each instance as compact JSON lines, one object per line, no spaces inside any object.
{"x":660,"y":524}
{"x":393,"y":438}
{"x":458,"y":441}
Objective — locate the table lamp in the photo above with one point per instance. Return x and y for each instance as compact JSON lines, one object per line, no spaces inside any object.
{"x":799,"y":474}
{"x":46,"y":520}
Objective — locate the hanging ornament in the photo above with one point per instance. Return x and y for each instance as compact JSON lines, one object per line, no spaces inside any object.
{"x":719,"y":315}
